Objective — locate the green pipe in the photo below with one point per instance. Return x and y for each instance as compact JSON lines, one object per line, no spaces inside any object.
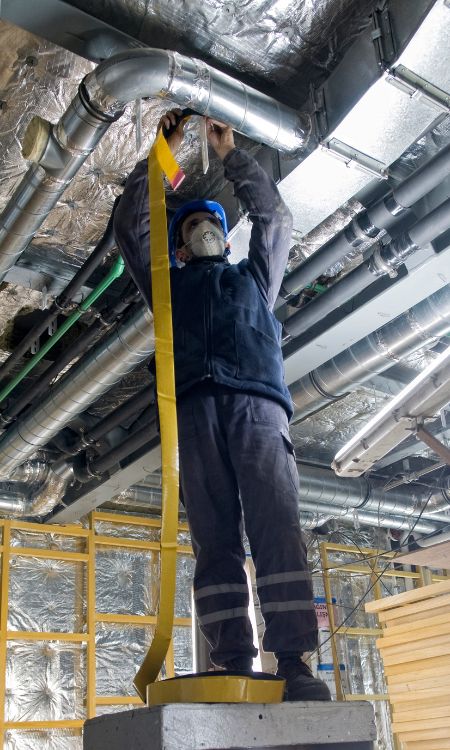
{"x":114,"y":273}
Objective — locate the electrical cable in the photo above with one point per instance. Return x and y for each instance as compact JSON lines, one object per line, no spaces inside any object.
{"x":372,"y":584}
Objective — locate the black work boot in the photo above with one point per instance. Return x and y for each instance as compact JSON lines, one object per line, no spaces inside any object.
{"x":240,"y":664}
{"x":301,"y":685}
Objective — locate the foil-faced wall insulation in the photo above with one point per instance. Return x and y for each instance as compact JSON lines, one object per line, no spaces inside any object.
{"x":46,"y":680}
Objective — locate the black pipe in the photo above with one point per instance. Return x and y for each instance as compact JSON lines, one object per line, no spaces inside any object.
{"x":321,"y":306}
{"x":424,"y":179}
{"x":103,"y":247}
{"x":385,"y":260}
{"x":368,"y":224}
{"x":432,"y":225}
{"x":82,"y":344}
{"x":131,"y":407}
{"x":85,"y":469}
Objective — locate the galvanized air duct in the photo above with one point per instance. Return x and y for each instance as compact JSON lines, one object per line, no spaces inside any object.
{"x":415,"y":329}
{"x":322,"y":487}
{"x":100,"y":369}
{"x":371,"y":519}
{"x":59,"y":150}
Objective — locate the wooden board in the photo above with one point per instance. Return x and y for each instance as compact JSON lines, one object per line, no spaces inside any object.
{"x":418,"y":665}
{"x":436,"y":556}
{"x":415,"y":638}
{"x":419,"y":624}
{"x":412,"y":612}
{"x":429,"y":745}
{"x":419,"y":713}
{"x":408,"y":597}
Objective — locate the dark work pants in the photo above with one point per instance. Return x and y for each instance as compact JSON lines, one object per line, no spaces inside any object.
{"x":236,"y":459}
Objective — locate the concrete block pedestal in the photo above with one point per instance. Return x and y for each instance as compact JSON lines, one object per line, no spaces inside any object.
{"x":219,"y":726}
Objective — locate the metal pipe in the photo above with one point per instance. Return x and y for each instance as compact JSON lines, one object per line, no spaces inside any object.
{"x":114,"y":273}
{"x":67,"y":146}
{"x":419,"y":327}
{"x":144,"y":399}
{"x":340,"y":293}
{"x":371,"y":519}
{"x":324,"y":487}
{"x":60,"y":150}
{"x":384,"y":261}
{"x":106,"y":244}
{"x":192,"y":83}
{"x":103,"y":323}
{"x":101,"y":464}
{"x":368,"y":224}
{"x":94,"y":374}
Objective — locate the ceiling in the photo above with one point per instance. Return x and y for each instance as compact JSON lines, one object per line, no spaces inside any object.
{"x":321,"y":58}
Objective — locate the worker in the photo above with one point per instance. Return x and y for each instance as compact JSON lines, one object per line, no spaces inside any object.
{"x":236,"y":458}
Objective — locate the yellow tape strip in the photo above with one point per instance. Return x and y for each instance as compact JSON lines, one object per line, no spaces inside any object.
{"x":160,"y":160}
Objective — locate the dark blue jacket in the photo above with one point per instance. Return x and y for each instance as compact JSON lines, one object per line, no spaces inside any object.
{"x":223,"y":324}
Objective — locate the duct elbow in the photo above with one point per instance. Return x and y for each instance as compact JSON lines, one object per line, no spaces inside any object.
{"x":141,"y":73}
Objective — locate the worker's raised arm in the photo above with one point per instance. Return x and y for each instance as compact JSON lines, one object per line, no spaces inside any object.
{"x":132,"y":220}
{"x":270,"y":217}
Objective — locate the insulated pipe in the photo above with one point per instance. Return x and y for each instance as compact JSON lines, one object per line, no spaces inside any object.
{"x":59,"y":150}
{"x":58,"y":158}
{"x":94,"y":374}
{"x":99,"y":465}
{"x":322,"y":486}
{"x":417,"y":328}
{"x":106,"y":244}
{"x":84,"y":342}
{"x":385,"y":260}
{"x":368,"y":224}
{"x":144,"y":399}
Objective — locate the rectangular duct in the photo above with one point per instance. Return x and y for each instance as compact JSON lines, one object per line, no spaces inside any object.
{"x":401,"y":100}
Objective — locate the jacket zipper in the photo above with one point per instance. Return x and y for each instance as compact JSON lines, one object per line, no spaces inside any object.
{"x":208,"y":315}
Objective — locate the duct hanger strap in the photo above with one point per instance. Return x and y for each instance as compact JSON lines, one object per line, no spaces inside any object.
{"x":161,"y":160}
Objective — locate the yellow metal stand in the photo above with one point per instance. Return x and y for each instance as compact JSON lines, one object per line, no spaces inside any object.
{"x":211,"y":687}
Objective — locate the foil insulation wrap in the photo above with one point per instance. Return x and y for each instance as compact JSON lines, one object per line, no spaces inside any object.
{"x":322,"y":434}
{"x":278,"y":46}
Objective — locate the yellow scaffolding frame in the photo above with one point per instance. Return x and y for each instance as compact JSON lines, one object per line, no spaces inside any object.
{"x":92,"y":542}
{"x":372,"y":568}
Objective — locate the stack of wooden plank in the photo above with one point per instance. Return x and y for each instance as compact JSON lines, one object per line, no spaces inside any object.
{"x":416,"y":653}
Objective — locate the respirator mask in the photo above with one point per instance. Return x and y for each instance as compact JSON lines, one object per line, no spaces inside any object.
{"x":207,"y":240}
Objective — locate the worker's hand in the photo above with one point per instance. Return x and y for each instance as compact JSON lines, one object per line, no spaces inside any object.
{"x":220,"y":136}
{"x":175,"y":139}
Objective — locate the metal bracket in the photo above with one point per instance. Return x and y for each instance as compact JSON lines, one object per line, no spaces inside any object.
{"x":52,"y":327}
{"x":35,"y":346}
{"x":354,"y":158}
{"x":319,"y":112}
{"x":383,"y":37}
{"x":417,"y":87}
{"x":379,"y":265}
{"x":426,"y":437}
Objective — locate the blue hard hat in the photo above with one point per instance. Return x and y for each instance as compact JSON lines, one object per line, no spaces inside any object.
{"x":191,"y":208}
